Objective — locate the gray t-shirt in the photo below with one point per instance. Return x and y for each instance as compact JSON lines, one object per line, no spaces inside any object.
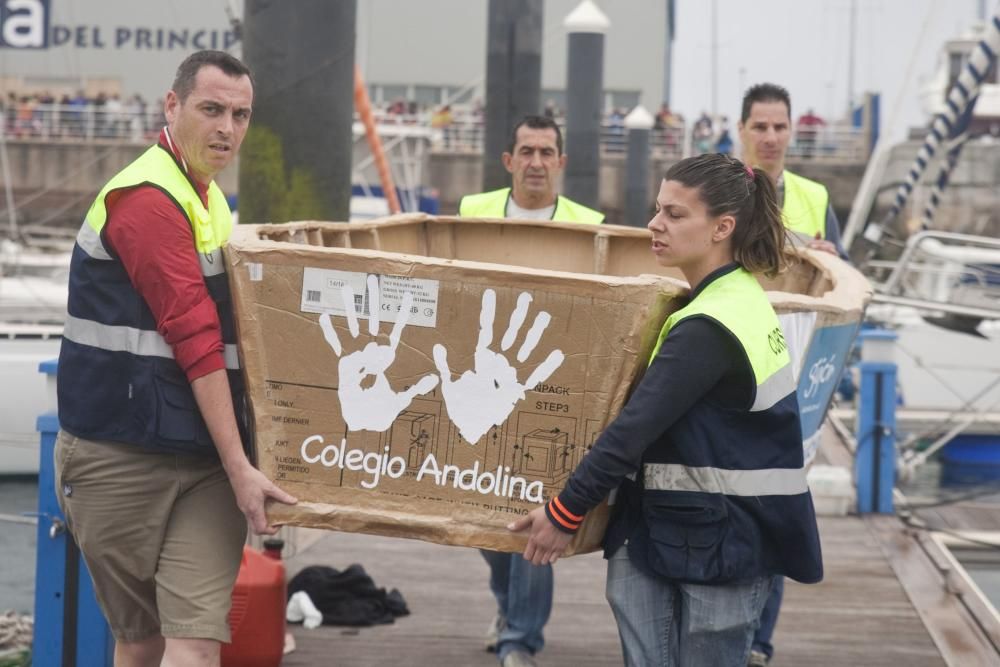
{"x":515,"y":211}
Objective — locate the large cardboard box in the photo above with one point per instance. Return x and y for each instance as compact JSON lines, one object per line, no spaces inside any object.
{"x":414,"y":394}
{"x":434,"y":377}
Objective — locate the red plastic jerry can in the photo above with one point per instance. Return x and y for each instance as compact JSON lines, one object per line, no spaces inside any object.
{"x":257,"y":617}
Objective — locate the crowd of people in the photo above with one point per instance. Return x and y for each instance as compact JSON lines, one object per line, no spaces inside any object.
{"x":111,"y":116}
{"x":671,"y":133}
{"x":78,"y":115}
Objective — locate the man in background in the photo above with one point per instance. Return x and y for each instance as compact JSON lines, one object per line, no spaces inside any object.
{"x":535,"y":160}
{"x":765,"y":130}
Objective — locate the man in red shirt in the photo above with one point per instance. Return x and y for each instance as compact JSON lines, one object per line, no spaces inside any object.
{"x":807,"y":131}
{"x":150,"y":464}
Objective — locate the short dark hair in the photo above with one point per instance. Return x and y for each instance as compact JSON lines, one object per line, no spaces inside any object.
{"x":536,"y":123}
{"x":765,"y":92}
{"x":188,"y":70}
{"x":729,"y":187}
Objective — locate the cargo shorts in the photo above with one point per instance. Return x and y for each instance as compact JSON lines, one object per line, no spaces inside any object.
{"x":160,"y":533}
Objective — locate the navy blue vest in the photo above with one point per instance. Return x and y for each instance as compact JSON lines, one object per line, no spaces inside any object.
{"x":732,"y":503}
{"x":117,"y":378}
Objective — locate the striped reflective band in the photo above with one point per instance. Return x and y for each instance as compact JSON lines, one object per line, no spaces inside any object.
{"x":211,"y":263}
{"x":774,"y":388}
{"x":90,"y":242}
{"x":562,"y":517}
{"x":128,"y":339}
{"x":769,"y":482}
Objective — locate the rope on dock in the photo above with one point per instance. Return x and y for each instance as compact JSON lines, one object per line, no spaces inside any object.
{"x":947,"y":124}
{"x":17,"y":518}
{"x":16,"y":631}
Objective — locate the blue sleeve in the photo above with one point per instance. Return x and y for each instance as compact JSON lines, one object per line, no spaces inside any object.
{"x":695,"y":356}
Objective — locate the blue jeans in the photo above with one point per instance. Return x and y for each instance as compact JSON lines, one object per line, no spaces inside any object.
{"x":524,"y":598}
{"x":769,"y":619}
{"x":688,"y":625}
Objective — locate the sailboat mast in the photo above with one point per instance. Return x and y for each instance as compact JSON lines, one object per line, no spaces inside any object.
{"x":852,"y":38}
{"x":7,"y":185}
{"x":668,"y":47}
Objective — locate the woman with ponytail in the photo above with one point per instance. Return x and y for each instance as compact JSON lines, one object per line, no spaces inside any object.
{"x":711,"y":499}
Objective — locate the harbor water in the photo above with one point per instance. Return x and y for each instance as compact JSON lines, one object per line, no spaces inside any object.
{"x":17,"y":544}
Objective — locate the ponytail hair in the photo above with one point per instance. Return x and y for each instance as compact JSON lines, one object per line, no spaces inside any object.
{"x":728,"y":187}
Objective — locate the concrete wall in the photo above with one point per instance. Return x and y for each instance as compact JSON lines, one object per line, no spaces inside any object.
{"x":60,"y":179}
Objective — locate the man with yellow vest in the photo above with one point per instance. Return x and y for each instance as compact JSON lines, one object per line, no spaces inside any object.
{"x":151,"y":469}
{"x":765,"y":129}
{"x":535,"y":160}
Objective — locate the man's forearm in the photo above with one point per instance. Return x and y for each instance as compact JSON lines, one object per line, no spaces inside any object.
{"x":215,"y":401}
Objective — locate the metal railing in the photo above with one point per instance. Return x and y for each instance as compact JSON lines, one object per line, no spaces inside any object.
{"x":463,"y":133}
{"x":75,"y":122}
{"x":832,"y":143}
{"x":946,"y":272}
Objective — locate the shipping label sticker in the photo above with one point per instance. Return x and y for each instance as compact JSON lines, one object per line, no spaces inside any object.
{"x":322,"y":292}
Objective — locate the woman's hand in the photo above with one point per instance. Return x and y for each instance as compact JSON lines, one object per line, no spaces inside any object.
{"x":546,"y":543}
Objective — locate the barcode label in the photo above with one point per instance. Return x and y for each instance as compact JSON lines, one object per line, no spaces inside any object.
{"x":256,"y":271}
{"x":323,"y":292}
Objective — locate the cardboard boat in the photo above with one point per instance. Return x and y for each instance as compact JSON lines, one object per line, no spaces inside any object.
{"x":435,"y":377}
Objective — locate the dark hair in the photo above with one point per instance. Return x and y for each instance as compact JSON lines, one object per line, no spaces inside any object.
{"x":536,"y":123}
{"x":728,"y":187}
{"x":764,"y":92}
{"x":188,"y":70}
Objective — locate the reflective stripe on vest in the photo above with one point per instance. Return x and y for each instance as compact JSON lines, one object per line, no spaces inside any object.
{"x":737,"y":302}
{"x":805,"y":206}
{"x":494,"y":205}
{"x":767,"y":482}
{"x":89,"y":241}
{"x":129,"y":339}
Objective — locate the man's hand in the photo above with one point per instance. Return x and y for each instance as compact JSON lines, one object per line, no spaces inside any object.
{"x":252,"y":489}
{"x":823,"y":245}
{"x":546,"y":543}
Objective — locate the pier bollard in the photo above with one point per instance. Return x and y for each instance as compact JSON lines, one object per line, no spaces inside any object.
{"x":638,"y":125}
{"x":69,"y":626}
{"x":875,"y":458}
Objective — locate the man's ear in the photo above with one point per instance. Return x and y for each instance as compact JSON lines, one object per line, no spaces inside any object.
{"x":507,"y":160}
{"x":562,"y":161}
{"x":724,"y":227}
{"x":170,"y":104}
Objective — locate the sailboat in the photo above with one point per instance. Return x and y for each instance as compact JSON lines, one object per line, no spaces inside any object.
{"x":33,"y":291}
{"x":940,"y":290}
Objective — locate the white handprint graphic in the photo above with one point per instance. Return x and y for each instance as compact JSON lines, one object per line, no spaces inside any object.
{"x":486,"y":395}
{"x":373,"y":407}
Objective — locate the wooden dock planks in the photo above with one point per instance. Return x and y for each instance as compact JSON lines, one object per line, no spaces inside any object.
{"x":860,"y":615}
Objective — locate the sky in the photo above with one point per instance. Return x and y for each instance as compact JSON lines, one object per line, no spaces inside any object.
{"x":803,"y":44}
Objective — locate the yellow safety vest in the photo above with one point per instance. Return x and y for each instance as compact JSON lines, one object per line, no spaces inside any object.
{"x":494,"y":205}
{"x":806,"y":203}
{"x":737,"y":302}
{"x":156,"y":167}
